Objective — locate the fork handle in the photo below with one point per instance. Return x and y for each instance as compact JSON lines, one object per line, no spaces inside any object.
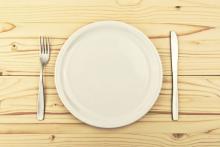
{"x":41,"y":100}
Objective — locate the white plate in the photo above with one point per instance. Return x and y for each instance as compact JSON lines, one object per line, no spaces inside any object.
{"x":108,"y":74}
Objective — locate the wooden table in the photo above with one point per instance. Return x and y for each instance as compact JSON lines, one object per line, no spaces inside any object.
{"x":197,"y":23}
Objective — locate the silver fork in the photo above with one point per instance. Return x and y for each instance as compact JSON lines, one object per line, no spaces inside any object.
{"x":44,"y":58}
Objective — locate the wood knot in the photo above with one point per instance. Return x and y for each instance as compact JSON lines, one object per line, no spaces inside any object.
{"x":178,"y":7}
{"x":55,"y":104}
{"x":210,"y":131}
{"x":178,"y":135}
{"x":13,"y":46}
{"x":5,"y":27}
{"x":52,"y":137}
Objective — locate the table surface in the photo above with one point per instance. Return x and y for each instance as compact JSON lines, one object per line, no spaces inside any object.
{"x":197,"y":23}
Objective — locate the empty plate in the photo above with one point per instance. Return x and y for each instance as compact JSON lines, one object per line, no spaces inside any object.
{"x":108,"y":74}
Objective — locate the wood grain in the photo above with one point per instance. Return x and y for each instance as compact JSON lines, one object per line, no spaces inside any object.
{"x":193,"y":12}
{"x":197,"y":23}
{"x":108,"y":140}
{"x":199,"y":95}
{"x":199,"y":51}
{"x":139,"y":134}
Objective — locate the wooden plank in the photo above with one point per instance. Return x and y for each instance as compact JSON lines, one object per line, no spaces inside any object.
{"x":165,"y":133}
{"x":194,"y":12}
{"x":64,"y":30}
{"x":210,"y":125}
{"x":109,"y":140}
{"x":199,"y":95}
{"x":198,"y":26}
{"x":199,"y":51}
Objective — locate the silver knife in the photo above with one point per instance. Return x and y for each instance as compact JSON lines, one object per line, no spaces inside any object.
{"x":174,"y":58}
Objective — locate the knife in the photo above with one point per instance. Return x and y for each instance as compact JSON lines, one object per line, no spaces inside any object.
{"x":174,"y":58}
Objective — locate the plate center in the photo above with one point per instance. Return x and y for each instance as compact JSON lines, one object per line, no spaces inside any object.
{"x":107,"y":73}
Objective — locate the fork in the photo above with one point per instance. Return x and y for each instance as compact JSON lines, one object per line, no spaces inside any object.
{"x":44,"y":58}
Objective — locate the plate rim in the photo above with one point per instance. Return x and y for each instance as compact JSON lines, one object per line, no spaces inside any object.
{"x":71,"y":39}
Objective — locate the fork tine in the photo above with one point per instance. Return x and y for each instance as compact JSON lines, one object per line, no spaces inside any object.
{"x":44,"y":44}
{"x":41,"y":45}
{"x":48,"y":45}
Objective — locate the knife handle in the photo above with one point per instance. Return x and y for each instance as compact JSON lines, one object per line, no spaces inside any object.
{"x":175,"y":98}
